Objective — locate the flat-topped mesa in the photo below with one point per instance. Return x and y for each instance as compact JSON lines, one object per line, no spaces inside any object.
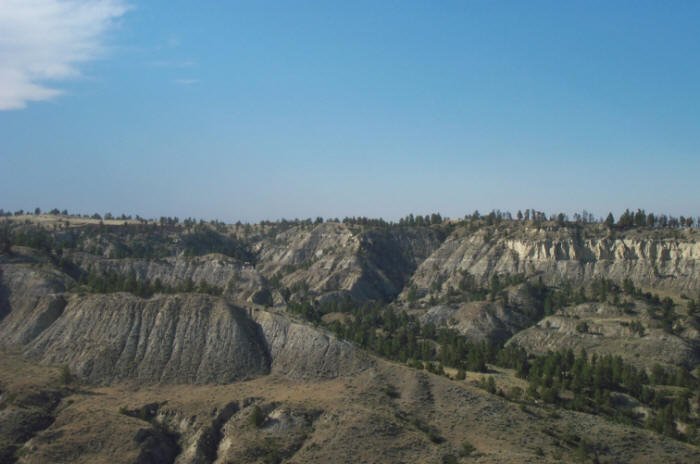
{"x":648,"y":260}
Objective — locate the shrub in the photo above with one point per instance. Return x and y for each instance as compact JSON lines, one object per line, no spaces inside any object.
{"x":515,"y":393}
{"x":449,"y":459}
{"x":65,"y":376}
{"x":467,"y":449}
{"x":391,"y":391}
{"x":257,"y":417}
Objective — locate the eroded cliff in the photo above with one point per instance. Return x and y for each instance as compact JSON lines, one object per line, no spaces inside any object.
{"x":561,"y":254}
{"x":180,"y":338}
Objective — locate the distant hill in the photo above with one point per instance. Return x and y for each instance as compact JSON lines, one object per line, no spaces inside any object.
{"x":423,"y":340}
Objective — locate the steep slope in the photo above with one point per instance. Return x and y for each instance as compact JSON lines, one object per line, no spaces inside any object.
{"x":650,"y":260}
{"x":300,"y":351}
{"x":159,"y":377}
{"x":30,"y":299}
{"x":239,"y":280}
{"x":334,"y":260}
{"x":29,"y":398}
{"x":180,"y":338}
{"x":492,"y":321}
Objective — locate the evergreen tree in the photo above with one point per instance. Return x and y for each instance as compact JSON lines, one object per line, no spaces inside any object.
{"x":610,"y":221}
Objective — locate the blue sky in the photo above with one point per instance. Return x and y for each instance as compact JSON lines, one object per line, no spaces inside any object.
{"x":262,"y":110}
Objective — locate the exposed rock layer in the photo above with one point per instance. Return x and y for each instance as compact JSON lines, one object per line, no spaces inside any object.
{"x":332,"y":258}
{"x":198,"y":338}
{"x":190,"y":338}
{"x":238,"y":279}
{"x":605,"y":329}
{"x":660,"y":263}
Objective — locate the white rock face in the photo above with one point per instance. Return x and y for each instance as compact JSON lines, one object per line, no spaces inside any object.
{"x":664,"y":264}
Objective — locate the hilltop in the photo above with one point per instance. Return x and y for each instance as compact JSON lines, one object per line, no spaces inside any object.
{"x":402,"y":330}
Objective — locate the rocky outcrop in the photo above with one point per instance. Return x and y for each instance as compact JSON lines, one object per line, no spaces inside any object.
{"x":337,"y":259}
{"x":490,"y":321}
{"x":320,"y":260}
{"x":31,"y":299}
{"x":181,"y":338}
{"x":196,"y":338}
{"x":479,"y":320}
{"x":239,"y":280}
{"x":300,"y":351}
{"x":390,"y":257}
{"x":563,"y":254}
{"x":329,"y":260}
{"x":605,"y":329}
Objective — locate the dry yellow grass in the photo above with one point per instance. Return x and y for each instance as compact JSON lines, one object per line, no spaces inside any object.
{"x":361,"y":420}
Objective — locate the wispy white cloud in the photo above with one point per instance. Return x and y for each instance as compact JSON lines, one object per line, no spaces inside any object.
{"x":44,"y":41}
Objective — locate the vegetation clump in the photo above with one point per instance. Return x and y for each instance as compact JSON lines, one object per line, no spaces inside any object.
{"x":111,"y":282}
{"x":257,"y":417}
{"x":565,"y":379}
